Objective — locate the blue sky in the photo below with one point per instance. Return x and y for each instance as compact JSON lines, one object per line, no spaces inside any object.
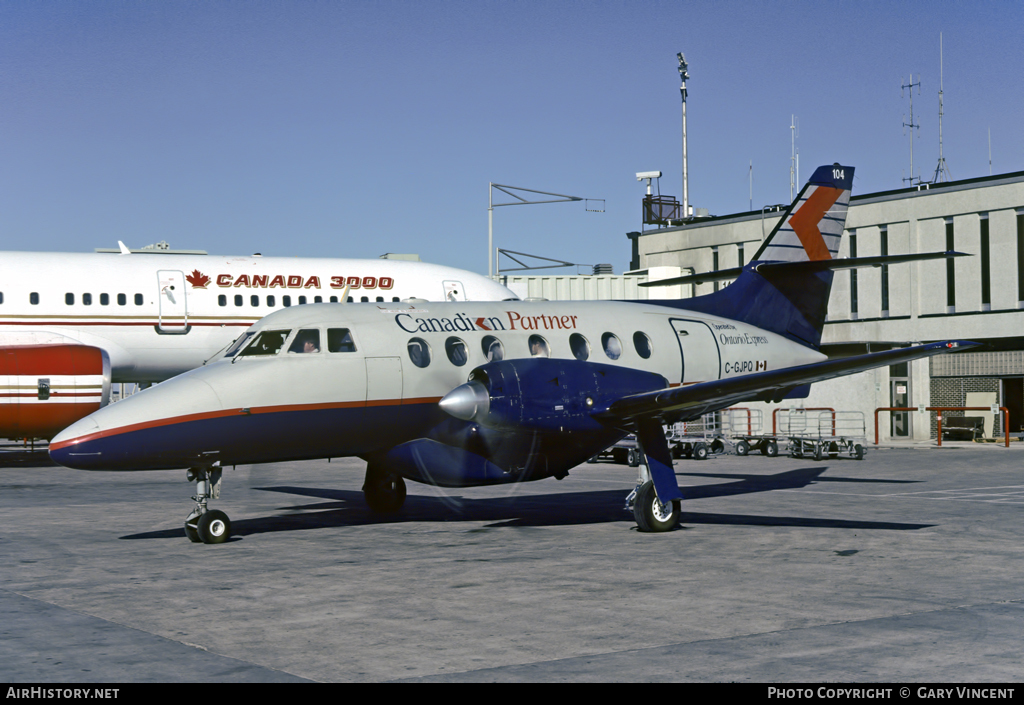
{"x":350,"y":129}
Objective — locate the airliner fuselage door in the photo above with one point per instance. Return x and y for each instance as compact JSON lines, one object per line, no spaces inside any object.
{"x":699,"y":350}
{"x":173,"y":315}
{"x":454,"y":291}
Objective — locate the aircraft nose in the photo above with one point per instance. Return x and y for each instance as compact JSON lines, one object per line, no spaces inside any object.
{"x":64,"y":448}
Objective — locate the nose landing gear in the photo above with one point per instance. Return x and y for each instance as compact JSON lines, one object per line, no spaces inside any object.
{"x":206,"y":525}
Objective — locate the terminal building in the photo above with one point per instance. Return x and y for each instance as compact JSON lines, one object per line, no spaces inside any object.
{"x":979,"y":298}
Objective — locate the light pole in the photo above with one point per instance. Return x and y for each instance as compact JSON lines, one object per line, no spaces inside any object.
{"x":520,"y":201}
{"x":683,"y":75}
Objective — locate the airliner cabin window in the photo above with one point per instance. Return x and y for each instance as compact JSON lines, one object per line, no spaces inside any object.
{"x":642,"y":344}
{"x":612,"y":346}
{"x":238,"y":300}
{"x":69,"y":299}
{"x":493,"y":349}
{"x":580,"y":347}
{"x":271,"y":301}
{"x":87,"y":299}
{"x":340,"y":340}
{"x":364,"y":299}
{"x":267,"y":342}
{"x":302,"y":300}
{"x":237,"y":345}
{"x":122,"y":300}
{"x":222,"y":300}
{"x":419,"y":352}
{"x":33,"y":298}
{"x":306,"y":340}
{"x":1,"y":297}
{"x":286,"y":300}
{"x":254,"y":300}
{"x":457,"y":352}
{"x":318,"y":299}
{"x":138,"y":299}
{"x":104,"y":299}
{"x":539,"y":346}
{"x":334,"y":299}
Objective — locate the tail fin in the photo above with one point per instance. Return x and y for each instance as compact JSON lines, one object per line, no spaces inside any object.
{"x":812,"y":228}
{"x":785,"y":288}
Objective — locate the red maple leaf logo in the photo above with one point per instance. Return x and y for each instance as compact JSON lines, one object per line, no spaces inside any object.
{"x":197,"y":279}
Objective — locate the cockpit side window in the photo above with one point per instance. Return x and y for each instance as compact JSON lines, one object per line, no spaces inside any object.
{"x":340,"y":340}
{"x":239,"y":342}
{"x":267,"y":342}
{"x":306,"y":340}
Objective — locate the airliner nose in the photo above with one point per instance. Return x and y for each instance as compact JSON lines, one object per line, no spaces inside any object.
{"x":64,"y":448}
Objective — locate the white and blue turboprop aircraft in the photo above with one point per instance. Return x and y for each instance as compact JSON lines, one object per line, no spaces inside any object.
{"x":550,"y":384}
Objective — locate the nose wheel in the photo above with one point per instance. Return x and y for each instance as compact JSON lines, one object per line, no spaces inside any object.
{"x":205,"y":525}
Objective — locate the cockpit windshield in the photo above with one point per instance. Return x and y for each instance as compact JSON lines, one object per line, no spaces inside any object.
{"x":239,"y":342}
{"x":267,"y":342}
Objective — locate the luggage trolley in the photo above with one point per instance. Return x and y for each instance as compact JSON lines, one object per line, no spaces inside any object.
{"x":745,"y":430}
{"x":831,"y":433}
{"x":697,"y":439}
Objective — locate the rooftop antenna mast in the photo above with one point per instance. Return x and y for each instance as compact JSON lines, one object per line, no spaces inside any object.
{"x":941,"y":169}
{"x":794,"y":159}
{"x":683,"y":75}
{"x":911,"y":124}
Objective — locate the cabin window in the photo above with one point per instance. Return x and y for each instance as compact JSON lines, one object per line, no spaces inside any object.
{"x":239,"y":342}
{"x":286,"y":301}
{"x":87,"y":299}
{"x":395,"y":298}
{"x":69,"y":299}
{"x":580,"y":347}
{"x":302,"y":300}
{"x":612,"y":346}
{"x":334,"y":299}
{"x":642,"y":344}
{"x":380,"y":299}
{"x":104,"y":299}
{"x":271,"y":301}
{"x":493,"y":349}
{"x":239,"y":300}
{"x":306,"y":340}
{"x":350,"y":299}
{"x":222,"y":300}
{"x":138,"y":299}
{"x":254,"y":300}
{"x":268,"y":342}
{"x":539,"y":347}
{"x":33,"y":298}
{"x":318,"y":299}
{"x":122,"y":300}
{"x":419,"y":352}
{"x":340,"y":340}
{"x":1,"y":297}
{"x":364,"y":299}
{"x":458,"y":353}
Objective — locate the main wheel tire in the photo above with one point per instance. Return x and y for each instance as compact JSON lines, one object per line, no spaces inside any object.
{"x":192,"y":533}
{"x":650,"y":514}
{"x":700,"y":452}
{"x":214,"y":527}
{"x":742,"y":448}
{"x":772,"y":449}
{"x":858,"y":451}
{"x":385,"y":494}
{"x":633,"y":459}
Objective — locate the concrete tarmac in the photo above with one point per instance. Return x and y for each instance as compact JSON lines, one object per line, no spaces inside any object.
{"x":906,"y":566}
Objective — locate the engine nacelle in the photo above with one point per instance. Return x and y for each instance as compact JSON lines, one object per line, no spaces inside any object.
{"x":46,"y":388}
{"x":545,"y":394}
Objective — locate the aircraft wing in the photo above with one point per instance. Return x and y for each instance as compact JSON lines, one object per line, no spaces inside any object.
{"x":690,"y":402}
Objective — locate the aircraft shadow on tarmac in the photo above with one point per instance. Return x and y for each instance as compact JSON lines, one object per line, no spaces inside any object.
{"x":348,"y":508}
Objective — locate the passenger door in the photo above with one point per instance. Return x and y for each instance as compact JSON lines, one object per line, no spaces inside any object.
{"x":698,"y":348}
{"x":173,"y":312}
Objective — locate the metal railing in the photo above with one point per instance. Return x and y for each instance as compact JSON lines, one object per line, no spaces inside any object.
{"x":938,"y":416}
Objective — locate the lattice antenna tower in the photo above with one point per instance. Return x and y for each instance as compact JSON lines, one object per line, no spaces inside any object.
{"x":911,"y":124}
{"x":941,"y":169}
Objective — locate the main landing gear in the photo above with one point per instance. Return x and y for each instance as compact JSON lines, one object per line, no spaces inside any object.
{"x":650,"y":513}
{"x":206,"y":525}
{"x":384,"y":491}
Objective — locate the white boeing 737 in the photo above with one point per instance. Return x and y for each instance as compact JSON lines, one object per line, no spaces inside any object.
{"x":73,"y":323}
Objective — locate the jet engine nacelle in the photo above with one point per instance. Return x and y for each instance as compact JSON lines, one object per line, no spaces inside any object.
{"x":545,"y":394}
{"x":46,"y":388}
